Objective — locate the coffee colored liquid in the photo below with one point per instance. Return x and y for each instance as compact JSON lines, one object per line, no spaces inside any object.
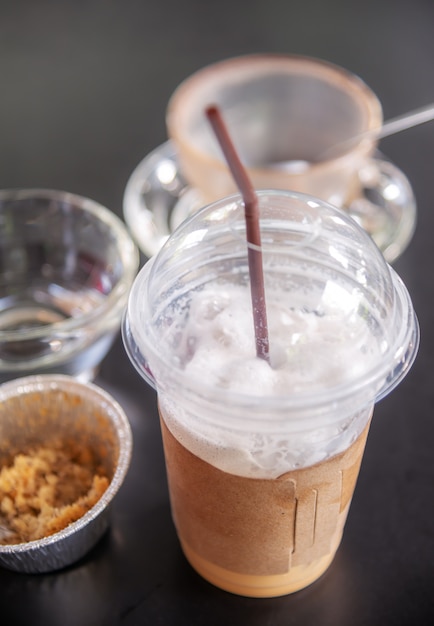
{"x":260,"y":537}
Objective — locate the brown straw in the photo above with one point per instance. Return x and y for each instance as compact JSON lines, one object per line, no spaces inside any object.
{"x":253,"y":233}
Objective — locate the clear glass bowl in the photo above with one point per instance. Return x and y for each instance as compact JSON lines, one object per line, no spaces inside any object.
{"x":157,"y":199}
{"x":66,"y":267}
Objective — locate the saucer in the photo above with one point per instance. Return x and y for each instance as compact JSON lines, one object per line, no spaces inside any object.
{"x":157,"y":198}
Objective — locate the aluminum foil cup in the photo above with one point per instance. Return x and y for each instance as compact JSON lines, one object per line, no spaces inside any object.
{"x":32,"y":410}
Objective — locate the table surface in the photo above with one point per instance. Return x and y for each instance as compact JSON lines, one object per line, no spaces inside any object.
{"x":84,"y":87}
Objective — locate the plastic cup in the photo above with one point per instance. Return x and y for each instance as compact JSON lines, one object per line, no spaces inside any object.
{"x":292,"y":119}
{"x":262,"y":460}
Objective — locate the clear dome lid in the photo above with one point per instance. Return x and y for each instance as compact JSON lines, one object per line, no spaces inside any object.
{"x":324,"y":269}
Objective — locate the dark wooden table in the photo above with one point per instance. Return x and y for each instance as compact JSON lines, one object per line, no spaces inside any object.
{"x":84,"y":86}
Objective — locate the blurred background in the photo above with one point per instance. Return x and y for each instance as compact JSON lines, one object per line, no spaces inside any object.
{"x":84,"y":84}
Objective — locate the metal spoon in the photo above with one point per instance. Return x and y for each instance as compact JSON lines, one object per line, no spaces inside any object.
{"x":391,"y":127}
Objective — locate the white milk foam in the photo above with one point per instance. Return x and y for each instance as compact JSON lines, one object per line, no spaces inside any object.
{"x":311,"y":350}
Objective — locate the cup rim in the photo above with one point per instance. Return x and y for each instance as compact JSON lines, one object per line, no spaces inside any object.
{"x":128,"y":253}
{"x":175,"y":108}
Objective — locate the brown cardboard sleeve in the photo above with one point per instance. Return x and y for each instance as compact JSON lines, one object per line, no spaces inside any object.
{"x":260,"y":526}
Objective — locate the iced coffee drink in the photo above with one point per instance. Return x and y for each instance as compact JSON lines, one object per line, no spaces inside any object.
{"x":258,"y":511}
{"x":262,"y":457}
